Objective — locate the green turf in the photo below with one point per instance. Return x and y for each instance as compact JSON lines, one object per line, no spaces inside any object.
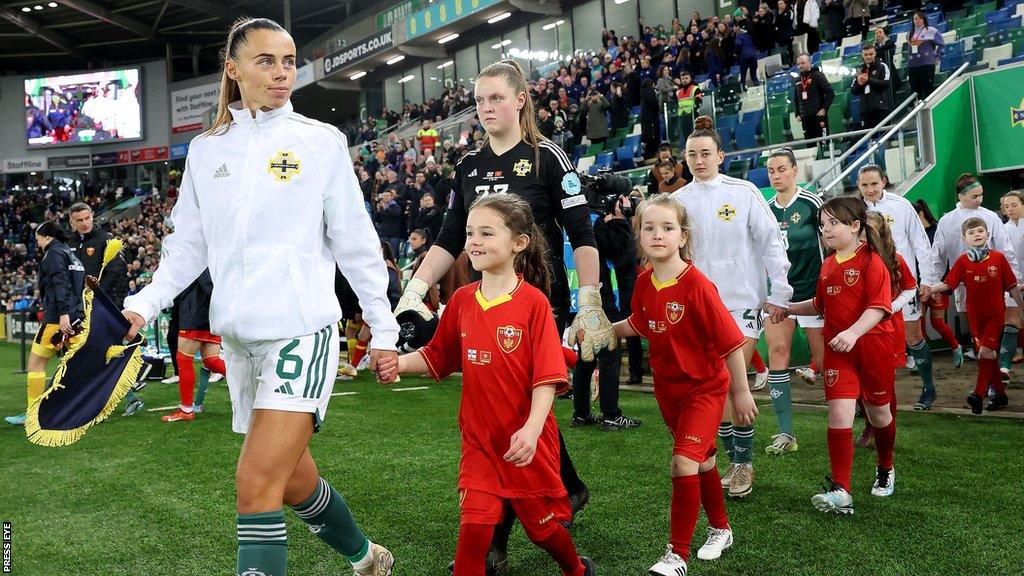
{"x":139,"y":497}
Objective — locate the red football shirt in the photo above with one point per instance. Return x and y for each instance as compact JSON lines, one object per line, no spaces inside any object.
{"x":899,"y":338}
{"x":847,"y":288}
{"x":985,"y":282}
{"x":689,"y":329}
{"x":505,"y":348}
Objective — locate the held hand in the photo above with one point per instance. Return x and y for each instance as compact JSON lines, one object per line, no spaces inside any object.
{"x":65,"y":325}
{"x":137,"y":323}
{"x":925,"y":291}
{"x":412,"y":299}
{"x":744,"y":409}
{"x":591,"y":328}
{"x":384,"y":363}
{"x":776,"y":313}
{"x":522,"y":447}
{"x":821,"y":112}
{"x":844,"y":341}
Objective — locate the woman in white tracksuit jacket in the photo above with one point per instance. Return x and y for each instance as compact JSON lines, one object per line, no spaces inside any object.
{"x":948,"y":245}
{"x":738,"y":246}
{"x":270,"y":203}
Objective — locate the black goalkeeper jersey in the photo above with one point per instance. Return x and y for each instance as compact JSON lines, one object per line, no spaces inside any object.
{"x":552,"y":189}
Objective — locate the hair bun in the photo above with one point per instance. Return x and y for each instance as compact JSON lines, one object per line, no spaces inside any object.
{"x":703,"y":123}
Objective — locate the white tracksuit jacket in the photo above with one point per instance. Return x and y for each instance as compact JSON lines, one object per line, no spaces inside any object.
{"x":1016,"y":234}
{"x":736,"y":242}
{"x":907,"y":231}
{"x":271,"y":207}
{"x":948,"y":243}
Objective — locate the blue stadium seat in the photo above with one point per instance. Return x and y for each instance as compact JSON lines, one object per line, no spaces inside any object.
{"x":942,"y":27}
{"x":827,"y":46}
{"x":635,"y":111}
{"x":754,"y":116}
{"x":759,"y":177}
{"x":902,"y":27}
{"x":1014,"y":60}
{"x":854,"y":113}
{"x":1003,"y":25}
{"x":605,"y":160}
{"x":746,"y":137}
{"x":624,"y":155}
{"x":954,"y":48}
{"x":727,"y":121}
{"x":934,"y":18}
{"x":578,"y":153}
{"x":851,"y":50}
{"x":633,"y":143}
{"x":997,"y":15}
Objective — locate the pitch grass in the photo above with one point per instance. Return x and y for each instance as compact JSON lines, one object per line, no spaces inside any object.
{"x":137,"y":496}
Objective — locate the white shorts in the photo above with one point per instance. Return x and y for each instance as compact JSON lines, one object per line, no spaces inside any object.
{"x":912,"y":310}
{"x":749,"y":322}
{"x":295,"y":375}
{"x":816,"y":321}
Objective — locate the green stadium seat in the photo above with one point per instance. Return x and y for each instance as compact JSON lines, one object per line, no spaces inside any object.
{"x":982,"y":9}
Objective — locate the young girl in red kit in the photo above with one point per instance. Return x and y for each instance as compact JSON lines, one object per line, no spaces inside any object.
{"x":854,"y":295}
{"x":501,"y":334}
{"x":696,"y":352}
{"x":986,"y":274}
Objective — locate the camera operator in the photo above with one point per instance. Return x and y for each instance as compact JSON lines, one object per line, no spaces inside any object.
{"x":616,"y":248}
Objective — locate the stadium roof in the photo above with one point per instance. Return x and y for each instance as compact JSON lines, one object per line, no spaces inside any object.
{"x":71,"y":35}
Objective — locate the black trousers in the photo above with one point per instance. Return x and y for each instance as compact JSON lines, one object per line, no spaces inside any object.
{"x":609,"y":365}
{"x":813,"y":125}
{"x":873,"y":118}
{"x":922,"y":80}
{"x":172,"y":336}
{"x":636,"y":357}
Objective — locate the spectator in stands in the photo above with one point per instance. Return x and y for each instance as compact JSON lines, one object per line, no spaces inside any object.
{"x":858,"y":15}
{"x":562,"y":136}
{"x":715,"y":59}
{"x":545,"y":123}
{"x":785,"y":23}
{"x":813,"y":95}
{"x":746,"y":57}
{"x":556,"y":110}
{"x":885,"y":52}
{"x":665,"y":86}
{"x":688,"y":101}
{"x":387,"y":217}
{"x":926,"y":46}
{"x":807,"y":15}
{"x":597,"y":125}
{"x":671,"y":180}
{"x":832,"y":16}
{"x":650,"y":120}
{"x":429,"y":216}
{"x":762,"y":28}
{"x":428,"y":136}
{"x":872,"y":85}
{"x":654,"y":177}
{"x":618,"y":109}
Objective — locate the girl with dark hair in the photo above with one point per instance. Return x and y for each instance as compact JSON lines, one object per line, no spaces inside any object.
{"x":854,"y":294}
{"x":270,"y":203}
{"x":510,"y":448}
{"x":926,"y":45}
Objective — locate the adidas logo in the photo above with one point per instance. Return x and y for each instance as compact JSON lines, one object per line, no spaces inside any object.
{"x":471,"y":174}
{"x":222,"y":172}
{"x":286,"y":388}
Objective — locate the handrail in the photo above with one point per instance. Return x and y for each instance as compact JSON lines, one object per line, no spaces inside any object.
{"x":838,"y":162}
{"x":827,"y":138}
{"x":899,"y":125}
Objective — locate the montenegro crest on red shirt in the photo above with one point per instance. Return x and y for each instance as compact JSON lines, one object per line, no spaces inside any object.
{"x":851,"y":276}
{"x":674,"y":311}
{"x":992,"y":271}
{"x":831,"y":377}
{"x":509,"y":338}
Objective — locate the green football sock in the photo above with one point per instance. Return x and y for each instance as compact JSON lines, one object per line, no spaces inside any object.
{"x":328,"y":516}
{"x":782,"y":399}
{"x":262,"y":544}
{"x":923,"y":359}
{"x":1007,"y":346}
{"x":204,"y":384}
{"x":725,"y":433}
{"x":744,"y":439}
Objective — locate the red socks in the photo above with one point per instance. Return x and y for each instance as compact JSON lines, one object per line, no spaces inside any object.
{"x":840,"y":455}
{"x":186,"y":379}
{"x":471,"y":549}
{"x":813,"y":366}
{"x":885,"y":443}
{"x":711,"y":498}
{"x":559,"y":545}
{"x":215,"y":364}
{"x":685,"y":509}
{"x":986,"y":366}
{"x":939,"y":323}
{"x":361,"y":346}
{"x":758,"y":363}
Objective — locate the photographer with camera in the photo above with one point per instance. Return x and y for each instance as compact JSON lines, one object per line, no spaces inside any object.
{"x":616,"y":249}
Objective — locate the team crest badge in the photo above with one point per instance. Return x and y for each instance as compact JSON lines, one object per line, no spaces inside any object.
{"x":522,"y":168}
{"x":795,"y":218}
{"x":509,"y":338}
{"x":992,"y":271}
{"x":90,"y":251}
{"x":726,"y":213}
{"x":283,"y":166}
{"x":674,"y":311}
{"x":1017,"y":115}
{"x":851,"y":276}
{"x":889,"y":219}
{"x":831,"y":377}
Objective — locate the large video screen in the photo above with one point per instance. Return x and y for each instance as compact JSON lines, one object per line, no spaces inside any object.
{"x":88,"y":108}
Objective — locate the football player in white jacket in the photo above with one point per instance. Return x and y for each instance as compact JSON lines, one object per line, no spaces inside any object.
{"x":1012,"y":206}
{"x":911,"y":243}
{"x":738,"y":246}
{"x":270,"y":203}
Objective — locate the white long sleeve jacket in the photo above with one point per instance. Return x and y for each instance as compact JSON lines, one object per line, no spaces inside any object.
{"x":948,"y":243}
{"x":271,"y":207}
{"x":736,"y":242}
{"x":1015,"y":232}
{"x":907,"y":232}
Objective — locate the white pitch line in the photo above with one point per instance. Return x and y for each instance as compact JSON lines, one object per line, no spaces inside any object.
{"x":408,"y":389}
{"x":344,"y":393}
{"x":162,"y":408}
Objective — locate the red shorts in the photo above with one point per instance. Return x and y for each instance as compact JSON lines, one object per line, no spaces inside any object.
{"x":692,"y":414}
{"x":861,"y":373}
{"x":937,"y":302}
{"x":538,"y":515}
{"x":987,"y":332}
{"x":200,"y":336}
{"x":899,"y":340}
